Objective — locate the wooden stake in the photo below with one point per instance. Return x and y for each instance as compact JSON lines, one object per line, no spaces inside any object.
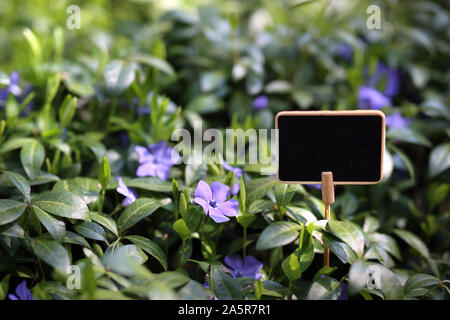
{"x":327,"y":198}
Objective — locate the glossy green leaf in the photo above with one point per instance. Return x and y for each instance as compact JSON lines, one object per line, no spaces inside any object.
{"x":52,"y":253}
{"x":150,"y":247}
{"x":63,"y":204}
{"x":54,"y":226}
{"x":90,"y":230}
{"x":258,"y":188}
{"x":225,"y":287}
{"x":349,"y":233}
{"x":277,"y":234}
{"x":182,"y":229}
{"x":118,"y":76}
{"x":439,"y":159}
{"x":10,"y":210}
{"x":104,"y":220}
{"x":324,"y":289}
{"x":291,"y":267}
{"x":104,"y":173}
{"x":138,"y":210}
{"x":32,"y":157}
{"x":21,"y":184}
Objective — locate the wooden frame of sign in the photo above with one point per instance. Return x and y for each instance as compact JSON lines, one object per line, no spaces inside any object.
{"x":328,"y":148}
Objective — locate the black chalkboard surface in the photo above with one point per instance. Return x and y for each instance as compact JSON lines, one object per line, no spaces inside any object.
{"x":350,"y":144}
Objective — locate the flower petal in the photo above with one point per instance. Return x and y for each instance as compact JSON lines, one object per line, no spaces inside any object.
{"x":146,"y":169}
{"x":235,"y":264}
{"x":162,"y":171}
{"x":22,"y":291}
{"x":235,"y":189}
{"x":203,"y":191}
{"x":252,"y":266}
{"x":203,"y":203}
{"x":143,"y":154}
{"x":217,"y":215}
{"x":229,"y":208}
{"x":220,"y":191}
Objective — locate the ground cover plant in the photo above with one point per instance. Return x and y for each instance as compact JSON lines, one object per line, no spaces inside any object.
{"x":93,"y":205}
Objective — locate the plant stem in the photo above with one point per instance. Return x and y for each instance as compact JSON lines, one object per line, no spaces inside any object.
{"x":244,"y":251}
{"x":291,"y":290}
{"x":181,"y":262}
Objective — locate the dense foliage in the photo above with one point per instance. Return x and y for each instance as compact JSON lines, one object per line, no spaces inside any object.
{"x":87,"y":187}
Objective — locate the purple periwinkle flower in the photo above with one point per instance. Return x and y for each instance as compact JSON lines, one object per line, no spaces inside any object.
{"x":157,"y":160}
{"x":22,"y":292}
{"x":129,"y":193}
{"x":249,"y":268}
{"x":261,"y":102}
{"x":397,"y":121}
{"x":12,"y":88}
{"x":236,"y":171}
{"x":213,"y":200}
{"x":345,"y":51}
{"x":390,"y":78}
{"x":235,"y":189}
{"x":370,"y":98}
{"x":315,"y":186}
{"x":343,"y":294}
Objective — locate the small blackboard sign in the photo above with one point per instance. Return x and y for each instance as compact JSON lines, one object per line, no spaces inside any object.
{"x":350,"y":144}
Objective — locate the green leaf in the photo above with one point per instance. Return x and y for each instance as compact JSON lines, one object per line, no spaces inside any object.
{"x":193,"y":291}
{"x":21,"y":184}
{"x":32,"y":157}
{"x":414,"y":242}
{"x":63,"y":204}
{"x":34,"y":43}
{"x":146,"y":183}
{"x":291,"y":267}
{"x":90,"y":230}
{"x":12,"y":230}
{"x":277,"y":234}
{"x":105,"y":221}
{"x":300,"y":215}
{"x":118,"y":76}
{"x":10,"y":210}
{"x":284,"y":192}
{"x":182,"y":229}
{"x":151,"y":184}
{"x":245,"y":219}
{"x":4,"y":287}
{"x":409,"y":135}
{"x":173,"y":279}
{"x":349,"y":233}
{"x":15,"y":143}
{"x":339,"y":248}
{"x":104,"y":173}
{"x":54,"y":226}
{"x":387,"y":243}
{"x":439,"y":159}
{"x":225,"y":287}
{"x":258,"y":188}
{"x":52,"y":253}
{"x":67,"y":110}
{"x":74,"y":238}
{"x":242,"y":196}
{"x":138,"y":210}
{"x":154,"y":62}
{"x":150,"y":247}
{"x":324,"y":289}
{"x":260,"y":205}
{"x":419,"y":281}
